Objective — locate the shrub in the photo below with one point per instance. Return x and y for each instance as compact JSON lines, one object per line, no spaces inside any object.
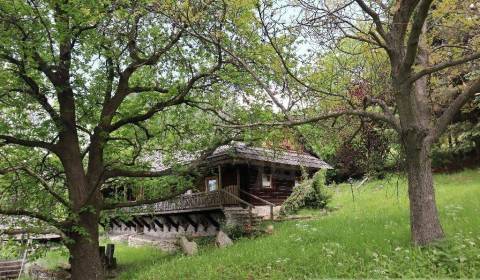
{"x":234,"y":231}
{"x":9,"y":250}
{"x":310,"y":193}
{"x":366,"y":153}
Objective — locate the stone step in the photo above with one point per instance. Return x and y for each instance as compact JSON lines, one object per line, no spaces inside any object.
{"x":242,"y":216}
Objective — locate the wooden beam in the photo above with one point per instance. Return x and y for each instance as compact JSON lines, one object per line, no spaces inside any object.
{"x":130,"y":224}
{"x":202,"y":220}
{"x":171,"y":222}
{"x":219,"y":176}
{"x":158,"y":223}
{"x":183,"y":221}
{"x":238,"y":176}
{"x":114,"y":221}
{"x":147,"y":222}
{"x":212,"y":221}
{"x":139,"y":225}
{"x":192,"y":222}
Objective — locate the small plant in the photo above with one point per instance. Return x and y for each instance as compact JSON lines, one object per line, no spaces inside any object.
{"x":204,"y":241}
{"x":9,"y":250}
{"x":311,"y":193}
{"x":234,"y":231}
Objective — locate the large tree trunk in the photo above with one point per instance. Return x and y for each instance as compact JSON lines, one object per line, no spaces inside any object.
{"x":416,"y":135}
{"x":424,"y":222}
{"x":84,"y":252}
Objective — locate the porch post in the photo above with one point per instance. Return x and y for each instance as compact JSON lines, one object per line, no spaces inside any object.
{"x":238,"y":181}
{"x":219,"y":177}
{"x":238,"y":177}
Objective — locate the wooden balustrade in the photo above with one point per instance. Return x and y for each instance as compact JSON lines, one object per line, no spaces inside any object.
{"x":201,"y":200}
{"x":10,"y":269}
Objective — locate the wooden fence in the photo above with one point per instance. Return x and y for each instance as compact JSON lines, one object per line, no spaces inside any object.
{"x":10,"y":269}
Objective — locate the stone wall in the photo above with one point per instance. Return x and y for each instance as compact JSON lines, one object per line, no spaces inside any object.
{"x":264,"y":211}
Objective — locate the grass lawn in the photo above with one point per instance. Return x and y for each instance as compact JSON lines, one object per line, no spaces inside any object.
{"x":368,"y":238}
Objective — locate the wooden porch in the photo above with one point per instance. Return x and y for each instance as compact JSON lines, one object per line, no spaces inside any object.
{"x":167,"y":217}
{"x":227,"y":196}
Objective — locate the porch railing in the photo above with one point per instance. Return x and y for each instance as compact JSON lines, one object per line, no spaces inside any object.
{"x":201,"y":200}
{"x":271,"y":205}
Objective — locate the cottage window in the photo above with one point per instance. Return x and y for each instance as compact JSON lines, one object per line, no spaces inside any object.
{"x":211,"y":183}
{"x":266,"y":180}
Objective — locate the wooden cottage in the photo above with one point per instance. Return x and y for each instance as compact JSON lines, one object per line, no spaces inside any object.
{"x":257,"y":174}
{"x":238,"y":183}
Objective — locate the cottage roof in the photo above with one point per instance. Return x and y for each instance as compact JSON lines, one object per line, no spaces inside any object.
{"x":243,"y":151}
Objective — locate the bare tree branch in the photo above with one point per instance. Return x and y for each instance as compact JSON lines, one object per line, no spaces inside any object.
{"x":47,"y":187}
{"x":374,"y":116}
{"x":376,"y":19}
{"x":39,"y":178}
{"x":415,"y":33}
{"x":176,"y":100}
{"x":446,"y":118}
{"x":123,"y":89}
{"x":280,"y":55}
{"x":31,"y":214}
{"x":7,"y":139}
{"x":147,"y":88}
{"x":442,"y":66}
{"x":34,"y":90}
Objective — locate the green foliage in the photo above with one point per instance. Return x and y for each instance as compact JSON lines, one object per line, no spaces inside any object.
{"x":310,"y":193}
{"x":234,"y":231}
{"x":53,"y":258}
{"x":459,"y":147}
{"x":9,"y":250}
{"x":100,"y":34}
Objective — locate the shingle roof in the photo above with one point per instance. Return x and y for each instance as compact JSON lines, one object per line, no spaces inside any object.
{"x":241,"y":150}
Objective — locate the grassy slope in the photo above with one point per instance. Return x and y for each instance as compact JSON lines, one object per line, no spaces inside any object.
{"x":368,"y":238}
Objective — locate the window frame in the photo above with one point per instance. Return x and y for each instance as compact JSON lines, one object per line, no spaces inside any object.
{"x":209,"y":178}
{"x":270,"y":186}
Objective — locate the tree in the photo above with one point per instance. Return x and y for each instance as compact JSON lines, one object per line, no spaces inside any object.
{"x":398,"y":30}
{"x":84,"y":84}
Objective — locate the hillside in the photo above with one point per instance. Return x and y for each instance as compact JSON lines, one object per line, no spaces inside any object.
{"x":368,"y":238}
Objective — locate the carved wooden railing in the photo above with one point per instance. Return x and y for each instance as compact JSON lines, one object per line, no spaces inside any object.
{"x":211,"y":199}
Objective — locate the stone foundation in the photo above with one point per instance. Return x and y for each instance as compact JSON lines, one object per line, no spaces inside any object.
{"x":165,"y":244}
{"x":166,"y":233}
{"x":163,"y":237}
{"x":264,"y":211}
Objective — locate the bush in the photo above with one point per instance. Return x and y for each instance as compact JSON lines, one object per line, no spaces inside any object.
{"x":367,"y":153}
{"x":234,"y":231}
{"x":10,"y":250}
{"x":311,"y":193}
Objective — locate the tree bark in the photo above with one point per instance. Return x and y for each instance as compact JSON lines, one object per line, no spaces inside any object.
{"x":424,"y":222}
{"x":84,"y":253}
{"x":417,"y":136}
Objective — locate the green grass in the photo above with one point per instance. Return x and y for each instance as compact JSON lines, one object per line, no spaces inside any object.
{"x":366,"y":239}
{"x":56,"y":257}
